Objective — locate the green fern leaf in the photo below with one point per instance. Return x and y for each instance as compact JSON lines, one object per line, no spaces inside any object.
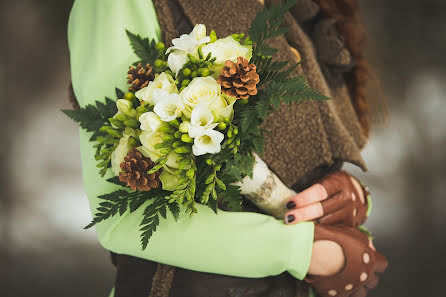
{"x":144,"y":48}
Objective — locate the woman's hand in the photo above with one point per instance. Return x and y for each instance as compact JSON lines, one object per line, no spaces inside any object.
{"x":337,"y":199}
{"x":344,"y":262}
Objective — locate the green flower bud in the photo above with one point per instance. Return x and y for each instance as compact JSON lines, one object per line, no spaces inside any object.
{"x":104,"y":128}
{"x":182,"y":150}
{"x":230,"y":133}
{"x":177,"y":144}
{"x":190,"y":173}
{"x":178,"y":134}
{"x":167,"y":137}
{"x":238,"y":141}
{"x":141,"y":109}
{"x":182,"y":88}
{"x":222,"y":125}
{"x":213,"y":36}
{"x":206,"y":72}
{"x":103,"y":163}
{"x":226,"y":119}
{"x":101,"y":139}
{"x":133,"y":142}
{"x":169,"y":73}
{"x":160,"y":46}
{"x":194,"y":74}
{"x":174,"y":123}
{"x":186,"y":138}
{"x":159,"y":63}
{"x":184,"y":127}
{"x":129,"y":96}
{"x":235,"y":130}
{"x":165,"y":151}
{"x":185,"y":82}
{"x":167,"y":129}
{"x":209,"y":161}
{"x":132,"y":123}
{"x":116,"y":123}
{"x":186,"y":72}
{"x":192,"y":58}
{"x":121,"y":117}
{"x":114,"y":133}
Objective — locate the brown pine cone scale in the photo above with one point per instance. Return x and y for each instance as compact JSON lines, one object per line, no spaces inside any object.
{"x":239,"y":79}
{"x":139,"y":76}
{"x":134,"y":172}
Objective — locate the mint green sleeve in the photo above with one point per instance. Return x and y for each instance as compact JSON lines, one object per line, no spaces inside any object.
{"x":230,"y":243}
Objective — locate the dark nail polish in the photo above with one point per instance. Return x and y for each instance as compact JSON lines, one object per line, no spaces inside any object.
{"x":290,"y":218}
{"x":291,"y":204}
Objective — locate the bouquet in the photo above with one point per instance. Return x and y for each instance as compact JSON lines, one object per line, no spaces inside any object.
{"x":188,"y":130}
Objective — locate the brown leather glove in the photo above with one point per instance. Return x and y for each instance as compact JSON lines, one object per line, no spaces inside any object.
{"x":334,"y":200}
{"x":362,"y":262}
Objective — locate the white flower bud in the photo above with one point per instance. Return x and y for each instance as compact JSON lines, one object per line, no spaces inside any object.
{"x":126,"y":107}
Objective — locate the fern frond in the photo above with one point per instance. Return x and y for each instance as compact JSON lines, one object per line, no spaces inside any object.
{"x":144,"y":48}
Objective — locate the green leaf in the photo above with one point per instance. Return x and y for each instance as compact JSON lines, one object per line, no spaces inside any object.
{"x":93,"y":117}
{"x":144,"y":48}
{"x":115,"y":180}
{"x":174,"y":210}
{"x":119,"y":93}
{"x":151,"y":220}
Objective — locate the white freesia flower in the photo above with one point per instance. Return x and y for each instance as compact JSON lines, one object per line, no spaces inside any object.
{"x":148,"y":141}
{"x":168,"y":106}
{"x":163,"y":82}
{"x":227,"y":49}
{"x":202,"y":90}
{"x":150,"y":121}
{"x":176,"y":60}
{"x":117,"y":156}
{"x":186,"y":44}
{"x":201,"y":117}
{"x":207,"y":141}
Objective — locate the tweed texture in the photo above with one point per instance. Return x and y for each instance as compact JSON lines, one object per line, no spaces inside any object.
{"x":162,"y":281}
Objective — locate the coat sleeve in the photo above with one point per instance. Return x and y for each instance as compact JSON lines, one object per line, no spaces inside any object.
{"x":237,"y":244}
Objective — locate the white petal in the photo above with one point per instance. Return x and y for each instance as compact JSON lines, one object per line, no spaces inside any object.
{"x":150,"y":121}
{"x":176,"y":60}
{"x":201,"y":116}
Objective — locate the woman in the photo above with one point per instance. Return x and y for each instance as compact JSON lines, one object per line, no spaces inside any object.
{"x":246,"y":254}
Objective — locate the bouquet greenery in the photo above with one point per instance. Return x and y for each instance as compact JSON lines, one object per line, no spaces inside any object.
{"x":186,"y":130}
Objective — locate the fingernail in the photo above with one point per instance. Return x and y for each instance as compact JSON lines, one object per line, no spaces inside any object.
{"x":291,"y":204}
{"x":290,"y":218}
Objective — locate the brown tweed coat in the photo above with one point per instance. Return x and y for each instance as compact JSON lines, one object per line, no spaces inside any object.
{"x":308,"y":140}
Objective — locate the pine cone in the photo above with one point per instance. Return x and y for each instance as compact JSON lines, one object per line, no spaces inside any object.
{"x":239,"y":79}
{"x":135,"y":167}
{"x":139,"y":76}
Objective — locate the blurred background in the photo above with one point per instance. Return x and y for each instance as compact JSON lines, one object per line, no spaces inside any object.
{"x":45,"y":252}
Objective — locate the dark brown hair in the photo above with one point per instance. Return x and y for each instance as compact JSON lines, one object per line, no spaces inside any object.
{"x":346,"y":13}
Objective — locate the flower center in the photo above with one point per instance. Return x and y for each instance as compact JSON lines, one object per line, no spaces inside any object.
{"x":171,"y":109}
{"x":206,"y":139}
